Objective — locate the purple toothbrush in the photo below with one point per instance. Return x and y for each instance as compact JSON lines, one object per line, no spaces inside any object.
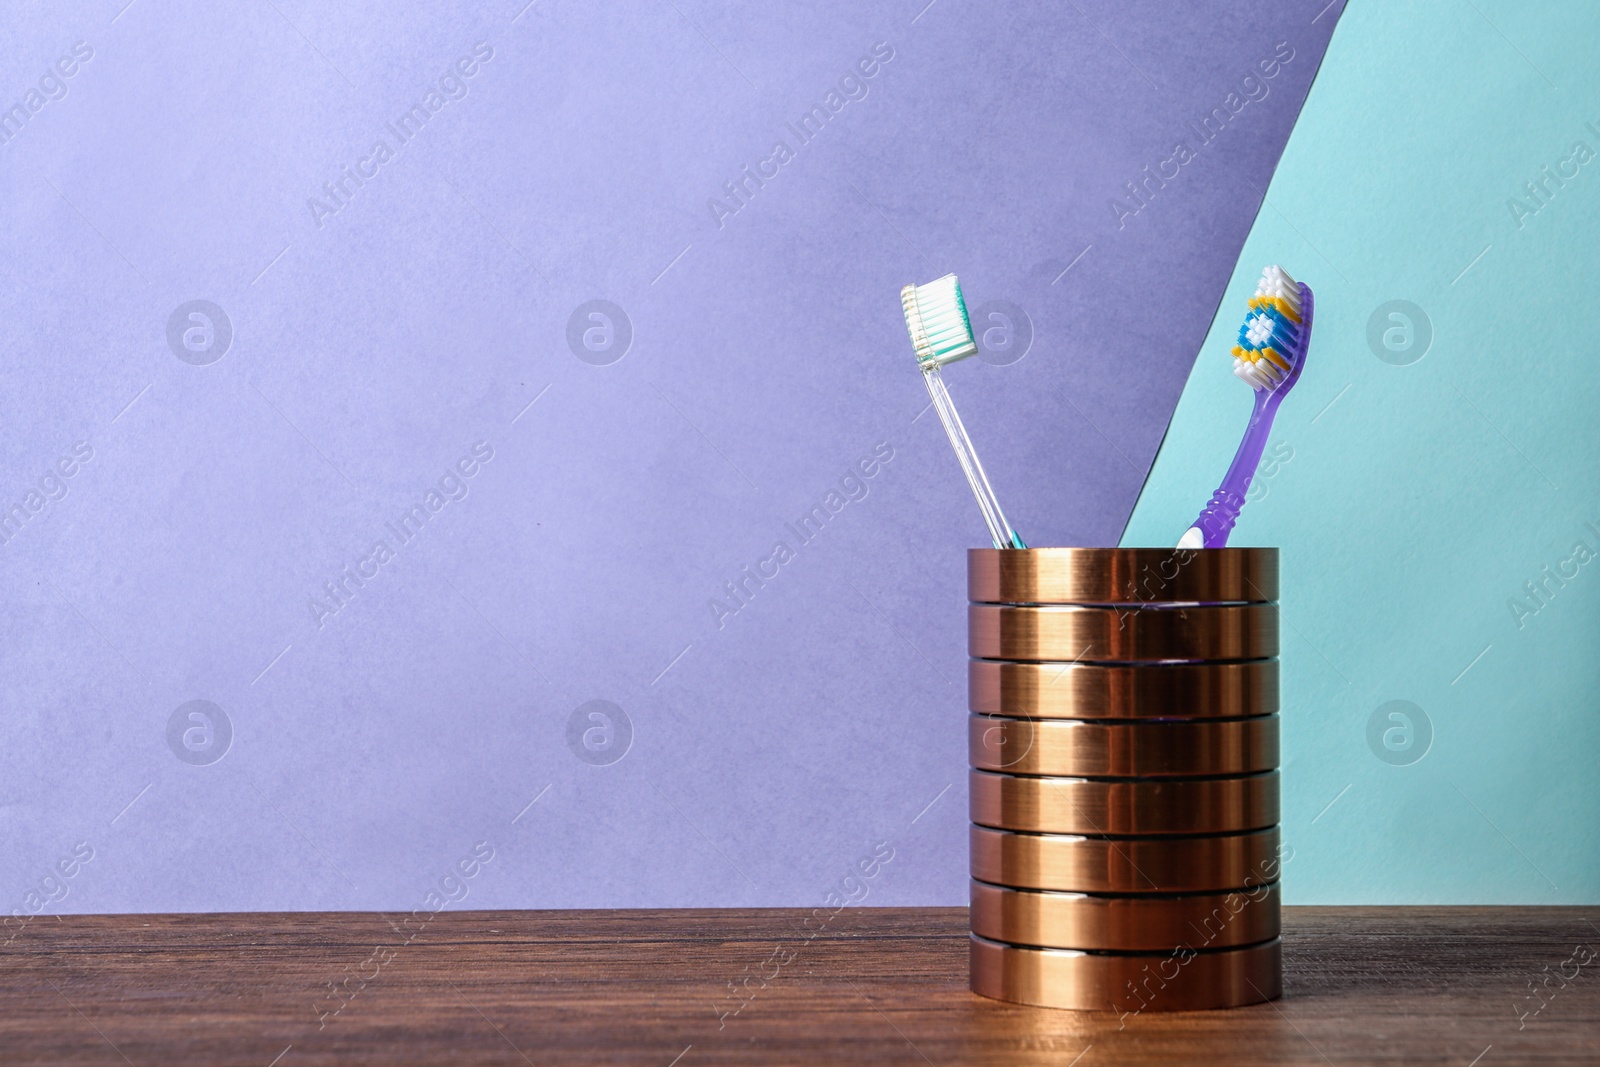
{"x":1269,"y":357}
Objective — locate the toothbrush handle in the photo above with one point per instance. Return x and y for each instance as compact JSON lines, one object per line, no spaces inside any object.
{"x":1000,"y":531}
{"x":1220,"y":514}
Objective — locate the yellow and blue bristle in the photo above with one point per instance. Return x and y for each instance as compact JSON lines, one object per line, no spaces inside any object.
{"x":1270,"y":339}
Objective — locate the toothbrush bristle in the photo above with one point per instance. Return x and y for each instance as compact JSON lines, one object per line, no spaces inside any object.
{"x":936,"y":318}
{"x":1270,"y":339}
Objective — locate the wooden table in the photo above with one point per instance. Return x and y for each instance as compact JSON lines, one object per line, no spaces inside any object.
{"x":880,"y":985}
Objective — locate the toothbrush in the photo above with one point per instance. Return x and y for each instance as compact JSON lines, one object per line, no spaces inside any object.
{"x":1269,"y":357}
{"x":941,"y":333}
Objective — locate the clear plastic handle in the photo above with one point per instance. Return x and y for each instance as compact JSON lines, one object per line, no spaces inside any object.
{"x":1000,"y":531}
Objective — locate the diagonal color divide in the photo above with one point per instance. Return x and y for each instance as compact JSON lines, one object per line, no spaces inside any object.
{"x":545,"y":330}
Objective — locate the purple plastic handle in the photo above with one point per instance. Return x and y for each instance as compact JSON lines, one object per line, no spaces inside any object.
{"x":1217,"y":520}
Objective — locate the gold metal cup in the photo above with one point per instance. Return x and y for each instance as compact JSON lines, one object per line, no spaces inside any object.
{"x":1124,"y":790}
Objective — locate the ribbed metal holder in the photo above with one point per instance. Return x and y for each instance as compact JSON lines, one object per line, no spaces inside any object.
{"x":1124,"y":789}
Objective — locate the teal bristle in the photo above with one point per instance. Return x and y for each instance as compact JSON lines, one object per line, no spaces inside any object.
{"x":936,"y":317}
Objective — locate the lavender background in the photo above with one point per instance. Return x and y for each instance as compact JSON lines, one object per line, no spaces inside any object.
{"x":350,"y":758}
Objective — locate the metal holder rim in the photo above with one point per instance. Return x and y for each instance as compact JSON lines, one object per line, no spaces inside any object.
{"x":1080,"y":863}
{"x":1129,"y":806}
{"x":1105,"y":691}
{"x":1147,"y":923}
{"x":1121,"y":575}
{"x":1075,"y":634}
{"x":1163,"y":981}
{"x":1069,"y":748}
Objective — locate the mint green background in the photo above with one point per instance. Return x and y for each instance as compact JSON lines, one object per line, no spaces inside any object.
{"x":1419,"y":502}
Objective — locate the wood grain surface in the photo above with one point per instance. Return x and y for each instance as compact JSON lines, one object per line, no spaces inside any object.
{"x":1460,"y":986}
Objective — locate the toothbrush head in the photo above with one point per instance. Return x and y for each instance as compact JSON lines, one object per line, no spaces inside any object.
{"x":937,"y":318}
{"x":1273,"y":340}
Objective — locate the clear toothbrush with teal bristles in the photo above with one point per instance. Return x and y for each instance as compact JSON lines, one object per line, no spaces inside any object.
{"x":941,"y":333}
{"x":1269,"y":357}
